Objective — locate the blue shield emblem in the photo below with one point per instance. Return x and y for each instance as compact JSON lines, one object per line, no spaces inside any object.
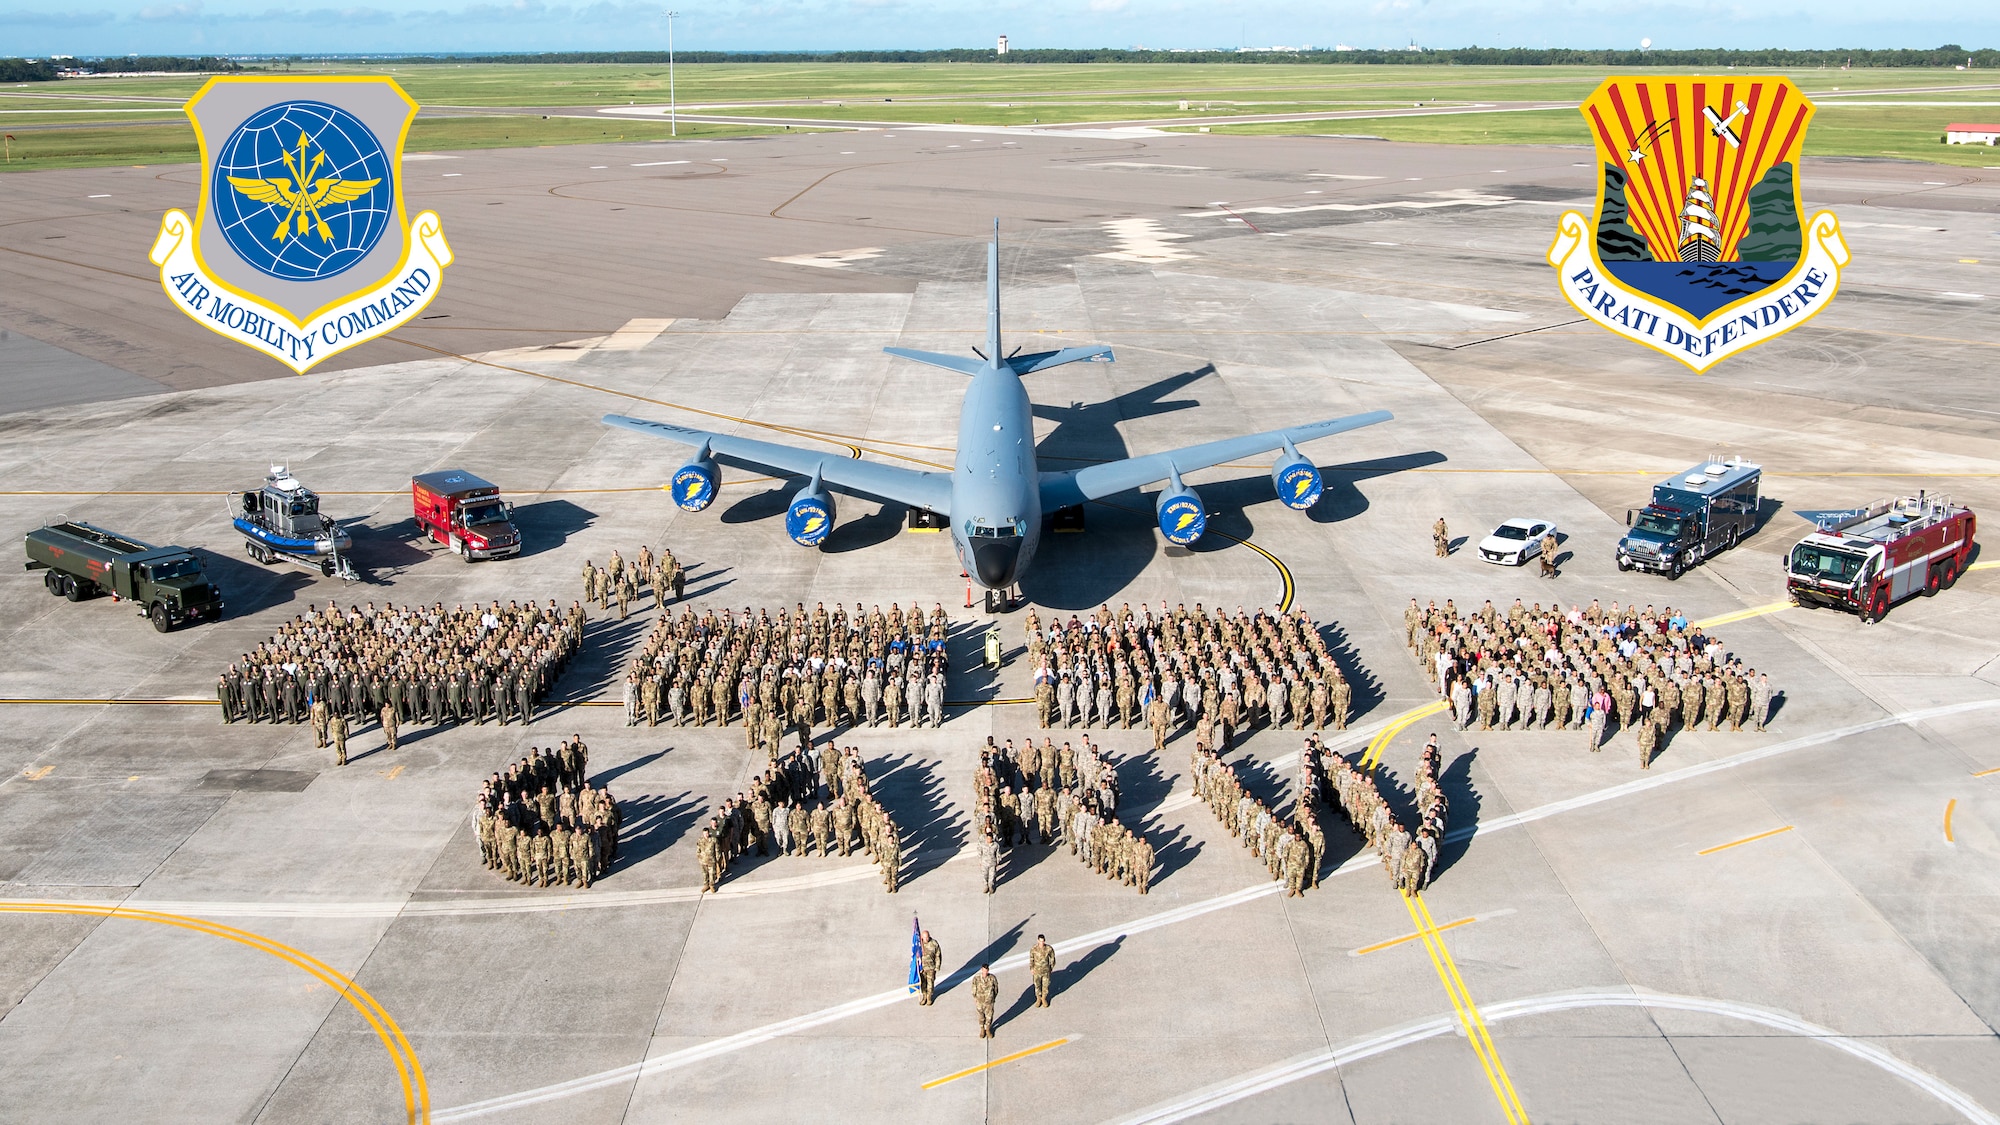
{"x":300,"y":248}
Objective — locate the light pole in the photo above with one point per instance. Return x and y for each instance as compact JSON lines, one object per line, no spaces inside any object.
{"x":673,"y":105}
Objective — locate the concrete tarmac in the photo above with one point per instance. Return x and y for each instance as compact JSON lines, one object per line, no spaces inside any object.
{"x":1629,"y":966}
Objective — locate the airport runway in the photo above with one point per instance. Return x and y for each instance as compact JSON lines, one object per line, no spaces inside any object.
{"x":212,"y":923}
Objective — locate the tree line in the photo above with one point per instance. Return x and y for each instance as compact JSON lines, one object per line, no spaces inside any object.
{"x":1706,"y":59}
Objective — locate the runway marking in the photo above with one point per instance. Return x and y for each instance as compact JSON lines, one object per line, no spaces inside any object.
{"x":1987,"y":565}
{"x":636,"y":334}
{"x":1987,"y":773}
{"x":416,"y":1092}
{"x":1744,"y":840}
{"x":1001,"y":1061}
{"x":1468,"y":1014}
{"x":1948,"y":807}
{"x":1406,"y":938}
{"x":391,"y":774}
{"x":159,"y":702}
{"x":1742,"y":615}
{"x":37,"y":775}
{"x":1372,"y":757}
{"x":1258,"y":1082}
{"x":754,"y":1036}
{"x":659,"y":163}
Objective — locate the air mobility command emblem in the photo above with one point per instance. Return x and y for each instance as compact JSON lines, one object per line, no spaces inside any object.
{"x":300,"y":248}
{"x":1699,"y":248}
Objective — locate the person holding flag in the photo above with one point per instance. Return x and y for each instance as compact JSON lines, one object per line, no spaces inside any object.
{"x":926,"y":959}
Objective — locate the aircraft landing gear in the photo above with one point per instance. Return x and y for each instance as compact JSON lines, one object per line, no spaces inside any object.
{"x":1003,"y":601}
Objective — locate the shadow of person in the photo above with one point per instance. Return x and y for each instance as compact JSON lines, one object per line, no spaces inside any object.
{"x":997,"y":948}
{"x":603,"y":778}
{"x":1073,"y":973}
{"x":653,"y":824}
{"x":1456,"y":782}
{"x":927,"y":824}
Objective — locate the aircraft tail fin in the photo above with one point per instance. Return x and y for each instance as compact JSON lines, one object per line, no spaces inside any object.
{"x":993,"y":296}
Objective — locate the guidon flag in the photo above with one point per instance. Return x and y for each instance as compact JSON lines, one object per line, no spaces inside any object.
{"x":1699,"y":247}
{"x":300,"y":247}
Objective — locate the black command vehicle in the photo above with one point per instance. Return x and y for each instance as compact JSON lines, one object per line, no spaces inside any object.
{"x":167,"y":584}
{"x":1693,"y":515}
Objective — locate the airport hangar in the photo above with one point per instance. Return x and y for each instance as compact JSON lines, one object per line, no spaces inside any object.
{"x":1630,"y":965}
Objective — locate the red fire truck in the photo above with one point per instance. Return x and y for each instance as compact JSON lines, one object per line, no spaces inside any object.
{"x":1868,"y":559}
{"x":466,"y":514}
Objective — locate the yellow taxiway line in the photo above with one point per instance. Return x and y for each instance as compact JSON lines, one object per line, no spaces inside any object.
{"x":1744,"y":840}
{"x":1372,"y":757}
{"x":1396,"y":941}
{"x":1468,"y":1014}
{"x":1987,"y":773}
{"x":1742,"y":615}
{"x":1948,"y":807}
{"x":416,"y":1092}
{"x":1001,"y":1061}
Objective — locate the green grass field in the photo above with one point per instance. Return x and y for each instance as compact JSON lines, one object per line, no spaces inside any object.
{"x":131,"y":120}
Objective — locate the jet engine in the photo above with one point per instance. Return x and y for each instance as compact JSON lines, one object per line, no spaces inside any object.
{"x":1297,"y":481}
{"x":810,"y":518}
{"x":1179,"y":511}
{"x":695,"y":484}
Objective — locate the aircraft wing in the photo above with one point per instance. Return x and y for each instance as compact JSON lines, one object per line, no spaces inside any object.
{"x":1063,"y":490}
{"x":931,"y":491}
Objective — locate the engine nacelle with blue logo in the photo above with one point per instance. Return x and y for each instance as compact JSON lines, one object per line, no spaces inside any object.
{"x":1297,"y":481}
{"x":695,"y":484}
{"x":1182,"y":518}
{"x":810,"y":518}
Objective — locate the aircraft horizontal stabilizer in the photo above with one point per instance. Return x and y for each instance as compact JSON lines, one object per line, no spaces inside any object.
{"x":964,"y":365}
{"x":1042,"y":361}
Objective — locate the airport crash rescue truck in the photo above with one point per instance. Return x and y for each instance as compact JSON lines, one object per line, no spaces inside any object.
{"x":1877,"y":556}
{"x":1693,"y":515}
{"x":466,"y":514}
{"x":167,"y":584}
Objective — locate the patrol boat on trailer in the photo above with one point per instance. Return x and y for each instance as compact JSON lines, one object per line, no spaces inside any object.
{"x":282,"y":520}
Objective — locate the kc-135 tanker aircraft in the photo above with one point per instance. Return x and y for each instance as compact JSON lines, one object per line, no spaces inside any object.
{"x":995,"y":495}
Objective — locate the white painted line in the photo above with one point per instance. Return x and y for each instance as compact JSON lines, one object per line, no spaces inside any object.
{"x":658,"y":163}
{"x":847,"y":152}
{"x":1338,"y":176}
{"x":1960,"y":296}
{"x":1250,"y":1085}
{"x":1936,"y":183}
{"x":97,"y":196}
{"x":1143,"y":240}
{"x":599,"y":167}
{"x":449,"y":175}
{"x":1144,"y":164}
{"x":636,"y":334}
{"x":831,"y":259}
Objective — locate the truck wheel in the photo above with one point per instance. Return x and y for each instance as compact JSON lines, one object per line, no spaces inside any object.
{"x":1729,"y":539}
{"x":1950,"y":574}
{"x":326,"y":567}
{"x":53,"y":582}
{"x":1623,"y":565}
{"x":160,"y":621}
{"x":1933,"y":582}
{"x":1878,"y":606}
{"x":73,"y":590}
{"x":1675,"y":569}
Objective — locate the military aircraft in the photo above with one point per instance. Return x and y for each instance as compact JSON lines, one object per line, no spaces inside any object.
{"x":995,"y":495}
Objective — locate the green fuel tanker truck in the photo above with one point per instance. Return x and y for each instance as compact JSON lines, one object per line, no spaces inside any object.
{"x":165,"y":583}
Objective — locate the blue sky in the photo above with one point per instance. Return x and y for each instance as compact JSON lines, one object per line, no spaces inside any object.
{"x":38,"y":27}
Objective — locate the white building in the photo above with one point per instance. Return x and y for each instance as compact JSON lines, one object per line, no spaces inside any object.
{"x":1003,"y":45}
{"x":1964,"y":134}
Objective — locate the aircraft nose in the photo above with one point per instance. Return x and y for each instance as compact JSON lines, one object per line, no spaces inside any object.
{"x":995,"y":560}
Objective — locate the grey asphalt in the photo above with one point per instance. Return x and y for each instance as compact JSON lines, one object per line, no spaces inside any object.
{"x":1624,"y":975}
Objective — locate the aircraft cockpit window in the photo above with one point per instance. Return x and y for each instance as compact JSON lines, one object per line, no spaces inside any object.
{"x":1013,"y":529}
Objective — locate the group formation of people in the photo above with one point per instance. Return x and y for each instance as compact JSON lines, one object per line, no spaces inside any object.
{"x":543,"y":823}
{"x":1041,"y":795}
{"x":1291,"y":851}
{"x":405,"y":664}
{"x":1172,"y":667}
{"x":1585,"y":668}
{"x":618,"y":582}
{"x":791,"y":672}
{"x":783,"y":809}
{"x":1410,"y":859}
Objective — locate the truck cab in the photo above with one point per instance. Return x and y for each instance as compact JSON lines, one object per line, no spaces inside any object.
{"x":466,"y":514}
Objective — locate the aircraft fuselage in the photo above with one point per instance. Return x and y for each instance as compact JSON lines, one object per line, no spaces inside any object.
{"x":996,"y":508}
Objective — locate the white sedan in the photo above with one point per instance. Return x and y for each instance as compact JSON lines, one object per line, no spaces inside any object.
{"x":1515,"y":542}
